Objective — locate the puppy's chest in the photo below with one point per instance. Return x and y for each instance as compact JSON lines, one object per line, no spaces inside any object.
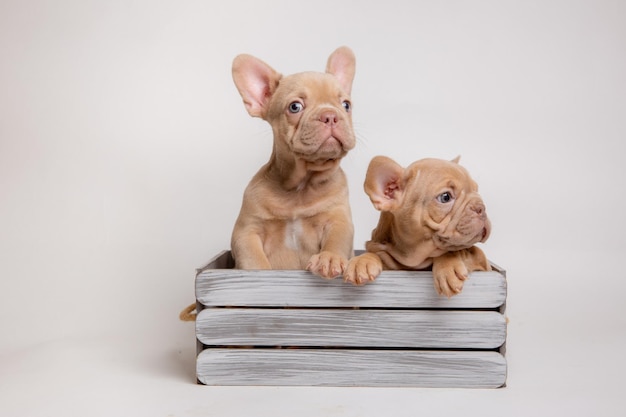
{"x":294,"y":234}
{"x":291,"y":209}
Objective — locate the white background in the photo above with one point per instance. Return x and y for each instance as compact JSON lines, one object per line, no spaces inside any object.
{"x":125,"y":149}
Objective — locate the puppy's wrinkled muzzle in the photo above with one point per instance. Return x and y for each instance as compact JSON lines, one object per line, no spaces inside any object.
{"x":478,"y":208}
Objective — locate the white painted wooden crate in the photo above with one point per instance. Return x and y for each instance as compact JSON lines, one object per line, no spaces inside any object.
{"x":293,"y":328}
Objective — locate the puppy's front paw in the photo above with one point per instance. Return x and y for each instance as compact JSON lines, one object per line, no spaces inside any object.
{"x":327,"y":264}
{"x":363,"y":268}
{"x":449,"y":273}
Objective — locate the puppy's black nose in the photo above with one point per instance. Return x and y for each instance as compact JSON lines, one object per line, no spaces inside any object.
{"x":328,"y":117}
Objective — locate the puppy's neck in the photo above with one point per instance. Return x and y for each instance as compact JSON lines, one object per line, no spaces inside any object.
{"x":293,"y":173}
{"x":407,"y":250}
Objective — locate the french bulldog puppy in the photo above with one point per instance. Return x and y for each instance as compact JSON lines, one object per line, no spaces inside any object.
{"x":295,"y":212}
{"x":431,"y":215}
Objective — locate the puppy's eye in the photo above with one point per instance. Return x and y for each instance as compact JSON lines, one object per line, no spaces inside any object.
{"x":346,"y":105}
{"x":444,"y":198}
{"x":296,"y":107}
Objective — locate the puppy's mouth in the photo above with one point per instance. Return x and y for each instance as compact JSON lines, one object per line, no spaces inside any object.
{"x":332,"y":142}
{"x":485,"y":234}
{"x":460,"y":240}
{"x":328,"y":150}
{"x":480,"y":236}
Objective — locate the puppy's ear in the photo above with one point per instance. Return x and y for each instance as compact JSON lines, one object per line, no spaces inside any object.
{"x":256,"y":82}
{"x":342,"y":64}
{"x":457,"y":159}
{"x":384,"y":183}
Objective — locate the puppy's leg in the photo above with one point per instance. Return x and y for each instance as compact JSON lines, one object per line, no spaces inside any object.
{"x":476,"y":260}
{"x":247,"y":250}
{"x":451,"y":269}
{"x":449,"y":273}
{"x":336,"y":248}
{"x":363,"y":268}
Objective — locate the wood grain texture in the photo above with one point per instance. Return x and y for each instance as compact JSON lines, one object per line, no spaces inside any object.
{"x":331,"y":367}
{"x":309,"y":331}
{"x":392,"y":289}
{"x":351,"y":328}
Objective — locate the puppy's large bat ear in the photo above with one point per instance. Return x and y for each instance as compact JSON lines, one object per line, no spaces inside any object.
{"x":384,"y":183}
{"x":342,"y":64}
{"x":256,"y":82}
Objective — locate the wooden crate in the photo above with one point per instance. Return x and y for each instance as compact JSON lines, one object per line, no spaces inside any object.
{"x":293,"y":328}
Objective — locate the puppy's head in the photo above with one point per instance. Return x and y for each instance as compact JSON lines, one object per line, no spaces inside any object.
{"x":431,"y":199}
{"x":310,"y":112}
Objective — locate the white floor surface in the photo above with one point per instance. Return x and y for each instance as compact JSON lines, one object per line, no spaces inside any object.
{"x":565,"y":358}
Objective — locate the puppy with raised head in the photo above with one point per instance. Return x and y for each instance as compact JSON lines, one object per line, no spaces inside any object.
{"x":431,"y":215}
{"x":295,"y":212}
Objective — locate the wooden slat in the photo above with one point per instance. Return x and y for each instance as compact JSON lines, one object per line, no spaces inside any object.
{"x":332,"y":367}
{"x":223,"y":260}
{"x":392,"y":289}
{"x":351,"y":328}
{"x":401,"y":334}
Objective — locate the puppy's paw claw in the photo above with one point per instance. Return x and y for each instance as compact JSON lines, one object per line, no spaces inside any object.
{"x":449,"y":282}
{"x":444,"y":287}
{"x":327,"y":265}
{"x":363,"y":269}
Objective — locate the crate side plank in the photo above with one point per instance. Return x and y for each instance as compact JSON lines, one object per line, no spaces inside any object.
{"x":223,"y":260}
{"x":336,"y":367}
{"x":392,"y":289}
{"x":351,"y":328}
